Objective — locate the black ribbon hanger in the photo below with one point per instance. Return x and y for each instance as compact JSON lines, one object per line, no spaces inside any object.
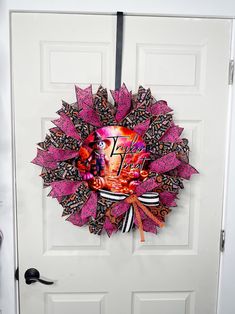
{"x":119,"y":44}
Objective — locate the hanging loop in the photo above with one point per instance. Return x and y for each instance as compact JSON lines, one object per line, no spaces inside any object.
{"x":119,"y":44}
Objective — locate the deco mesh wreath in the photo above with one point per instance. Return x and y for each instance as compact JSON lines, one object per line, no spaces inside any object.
{"x":115,"y":167}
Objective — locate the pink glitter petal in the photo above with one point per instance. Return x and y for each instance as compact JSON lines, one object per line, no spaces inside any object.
{"x":109,"y":227}
{"x":142,"y":213}
{"x":120,"y":208}
{"x":149,"y":225}
{"x":165,"y":163}
{"x":85,"y":104}
{"x":90,"y":116}
{"x":168,"y":198}
{"x":123,"y":99}
{"x":89,"y":208}
{"x":159,"y":107}
{"x":67,"y":126}
{"x":62,"y":188}
{"x":77,"y":220}
{"x":185,"y":171}
{"x":44,"y":159}
{"x":142,"y":127}
{"x":172,"y":134}
{"x":58,"y":154}
{"x":146,"y":186}
{"x":84,"y":97}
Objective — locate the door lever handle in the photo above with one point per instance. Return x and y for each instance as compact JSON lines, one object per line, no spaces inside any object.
{"x":32,"y":275}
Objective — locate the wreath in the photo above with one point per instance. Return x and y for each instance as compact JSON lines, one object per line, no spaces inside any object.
{"x":115,"y":166}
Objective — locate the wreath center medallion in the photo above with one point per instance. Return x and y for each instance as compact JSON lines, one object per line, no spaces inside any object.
{"x":113,"y":158}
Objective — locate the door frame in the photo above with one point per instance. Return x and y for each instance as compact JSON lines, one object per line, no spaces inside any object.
{"x":8,"y":222}
{"x":227,"y":258}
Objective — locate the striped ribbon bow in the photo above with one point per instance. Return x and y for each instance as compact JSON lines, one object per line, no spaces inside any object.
{"x":130,"y":205}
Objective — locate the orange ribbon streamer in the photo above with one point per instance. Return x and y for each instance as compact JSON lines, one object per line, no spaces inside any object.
{"x":111,"y":218}
{"x":133,"y":200}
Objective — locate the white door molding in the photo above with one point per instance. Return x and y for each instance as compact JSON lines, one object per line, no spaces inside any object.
{"x":178,"y":8}
{"x":227,"y":273}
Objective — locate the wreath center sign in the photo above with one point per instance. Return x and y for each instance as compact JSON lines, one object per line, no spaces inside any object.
{"x":116,"y":154}
{"x":115,"y":166}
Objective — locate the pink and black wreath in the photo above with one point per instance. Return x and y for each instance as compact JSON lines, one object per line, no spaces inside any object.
{"x":115,"y":166}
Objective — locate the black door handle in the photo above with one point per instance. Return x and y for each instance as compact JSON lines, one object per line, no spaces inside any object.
{"x":32,"y":275}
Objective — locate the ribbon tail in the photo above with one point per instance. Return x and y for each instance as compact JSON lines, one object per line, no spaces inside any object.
{"x":149,"y":214}
{"x":139,"y":220}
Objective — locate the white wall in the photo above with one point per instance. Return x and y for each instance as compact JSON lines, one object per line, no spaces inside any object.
{"x":7,"y":283}
{"x":209,"y":8}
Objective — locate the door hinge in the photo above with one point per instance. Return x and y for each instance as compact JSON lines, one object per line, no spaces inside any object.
{"x":231,"y":72}
{"x":222,"y":240}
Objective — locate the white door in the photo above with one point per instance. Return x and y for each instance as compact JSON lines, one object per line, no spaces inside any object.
{"x":184,"y":61}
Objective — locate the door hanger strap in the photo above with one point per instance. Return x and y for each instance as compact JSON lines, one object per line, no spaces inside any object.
{"x":119,"y":45}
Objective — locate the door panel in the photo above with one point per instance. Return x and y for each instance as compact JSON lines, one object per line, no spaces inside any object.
{"x":179,"y":59}
{"x":184,"y":61}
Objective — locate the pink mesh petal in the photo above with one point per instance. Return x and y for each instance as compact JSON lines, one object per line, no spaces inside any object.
{"x":62,"y":188}
{"x":120,"y":208}
{"x":90,"y":116}
{"x":58,"y":154}
{"x":168,"y":198}
{"x":84,"y":97}
{"x":85,"y":104}
{"x":142,"y":213}
{"x":146,"y":186}
{"x":44,"y":159}
{"x":77,"y":220}
{"x":109,"y":227}
{"x":149,"y":225}
{"x":67,"y":126}
{"x":160,"y":107}
{"x":172,"y":134}
{"x":142,"y":127}
{"x":123,"y":99}
{"x":165,"y":163}
{"x":185,"y":171}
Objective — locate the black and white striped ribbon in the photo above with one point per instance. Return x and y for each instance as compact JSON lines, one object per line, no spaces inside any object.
{"x":148,"y":199}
